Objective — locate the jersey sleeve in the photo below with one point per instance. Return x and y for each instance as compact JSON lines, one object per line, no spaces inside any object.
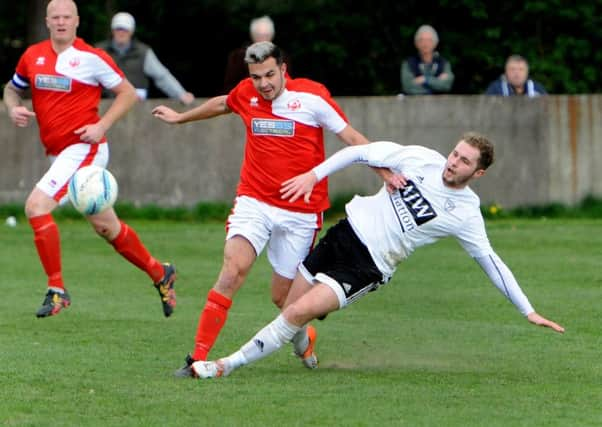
{"x":108,"y":73}
{"x":232,"y":99}
{"x":384,"y":154}
{"x":473,"y":237}
{"x":21,"y":77}
{"x":329,"y":114}
{"x":503,"y":279}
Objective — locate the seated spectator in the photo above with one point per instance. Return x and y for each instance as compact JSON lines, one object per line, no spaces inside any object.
{"x":139,"y":62}
{"x":261,"y":29}
{"x":515,"y":80}
{"x":427,"y":72}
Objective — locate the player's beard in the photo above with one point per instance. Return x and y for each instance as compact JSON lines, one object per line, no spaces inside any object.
{"x":457,"y":181}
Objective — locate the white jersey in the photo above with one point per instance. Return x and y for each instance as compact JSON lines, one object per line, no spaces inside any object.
{"x":392,"y":226}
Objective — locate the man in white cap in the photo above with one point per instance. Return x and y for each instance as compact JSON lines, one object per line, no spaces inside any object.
{"x":139,"y":62}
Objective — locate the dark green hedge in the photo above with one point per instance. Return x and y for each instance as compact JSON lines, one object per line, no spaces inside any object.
{"x":355,"y":48}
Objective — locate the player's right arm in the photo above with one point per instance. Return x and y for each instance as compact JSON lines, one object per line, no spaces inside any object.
{"x":213,"y":107}
{"x":18,"y":113}
{"x":377,"y":154}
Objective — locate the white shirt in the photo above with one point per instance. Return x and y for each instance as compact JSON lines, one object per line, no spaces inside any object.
{"x":392,"y":226}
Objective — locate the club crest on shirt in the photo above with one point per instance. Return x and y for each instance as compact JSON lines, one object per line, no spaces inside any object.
{"x":273,"y":127}
{"x":40,"y":60}
{"x":294,"y":105}
{"x":56,"y":83}
{"x":254,"y":102}
{"x":74,"y":62}
{"x":449,"y":205}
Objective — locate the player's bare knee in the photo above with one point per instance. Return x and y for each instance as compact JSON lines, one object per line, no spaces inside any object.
{"x":294,"y":314}
{"x":230,"y":280}
{"x":34,"y":208}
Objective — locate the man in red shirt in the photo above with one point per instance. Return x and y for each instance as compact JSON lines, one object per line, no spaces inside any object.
{"x":66,"y":76}
{"x":284,"y":118}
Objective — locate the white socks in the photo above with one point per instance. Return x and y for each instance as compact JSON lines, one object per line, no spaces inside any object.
{"x":265,"y":342}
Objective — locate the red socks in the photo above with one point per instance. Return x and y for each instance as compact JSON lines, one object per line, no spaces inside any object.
{"x":48,"y":243}
{"x":128,"y":244}
{"x":211,"y":321}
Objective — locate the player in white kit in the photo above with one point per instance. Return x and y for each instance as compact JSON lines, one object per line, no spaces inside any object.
{"x":361,"y":252}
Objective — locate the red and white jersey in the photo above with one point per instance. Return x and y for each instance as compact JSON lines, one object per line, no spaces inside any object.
{"x":65,"y":88}
{"x":285,"y":137}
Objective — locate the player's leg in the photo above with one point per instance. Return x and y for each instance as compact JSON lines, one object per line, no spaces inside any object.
{"x":127,"y":243}
{"x":318,"y":301}
{"x":293,"y":235}
{"x":38,"y":208}
{"x":341,"y":270}
{"x":248,"y":230}
{"x":49,"y":191}
{"x":239,"y":256}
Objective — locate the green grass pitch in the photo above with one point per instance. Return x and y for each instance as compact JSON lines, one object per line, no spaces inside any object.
{"x":437,"y":346}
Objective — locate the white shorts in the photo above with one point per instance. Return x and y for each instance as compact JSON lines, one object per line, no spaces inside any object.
{"x":55,"y":181}
{"x":290,"y":235}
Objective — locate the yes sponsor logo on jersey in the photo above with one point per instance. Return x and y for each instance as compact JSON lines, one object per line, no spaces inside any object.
{"x":273,"y":127}
{"x":411,"y":207}
{"x":56,"y":83}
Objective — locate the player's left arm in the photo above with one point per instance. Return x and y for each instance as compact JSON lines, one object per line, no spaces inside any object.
{"x":350,"y":136}
{"x":124,"y":100}
{"x":503,"y":279}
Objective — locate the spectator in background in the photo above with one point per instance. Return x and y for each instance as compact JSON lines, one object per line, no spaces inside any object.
{"x":427,"y":72}
{"x":260,"y":30}
{"x":139,"y":62}
{"x":515,"y":80}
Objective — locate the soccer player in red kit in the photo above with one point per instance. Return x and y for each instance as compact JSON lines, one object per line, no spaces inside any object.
{"x":284,"y":118}
{"x":65,"y":76}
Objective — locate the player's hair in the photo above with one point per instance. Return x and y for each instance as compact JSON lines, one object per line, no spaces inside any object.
{"x":261,"y":51}
{"x":427,"y":29}
{"x":483,"y":144}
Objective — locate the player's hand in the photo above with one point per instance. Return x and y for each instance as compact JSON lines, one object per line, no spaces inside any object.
{"x":301,"y":185}
{"x":20,"y":116}
{"x":166,"y":114}
{"x":538,"y":320}
{"x":91,"y":134}
{"x":394,"y":181}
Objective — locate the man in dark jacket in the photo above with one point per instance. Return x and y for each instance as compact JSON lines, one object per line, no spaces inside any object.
{"x":139,"y":62}
{"x":515,"y":80}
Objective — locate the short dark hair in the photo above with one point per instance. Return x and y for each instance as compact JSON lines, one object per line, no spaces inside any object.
{"x":483,"y":144}
{"x":260,"y":51}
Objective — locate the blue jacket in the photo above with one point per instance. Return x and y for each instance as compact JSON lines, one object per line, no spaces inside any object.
{"x":503,"y":88}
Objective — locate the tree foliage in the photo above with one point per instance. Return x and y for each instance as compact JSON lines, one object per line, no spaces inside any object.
{"x":355,"y":48}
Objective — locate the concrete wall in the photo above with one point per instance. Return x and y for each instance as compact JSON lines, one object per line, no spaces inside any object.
{"x":547,"y":149}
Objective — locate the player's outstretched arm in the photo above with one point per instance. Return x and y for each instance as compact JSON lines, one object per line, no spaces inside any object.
{"x":213,"y":107}
{"x":538,"y":320}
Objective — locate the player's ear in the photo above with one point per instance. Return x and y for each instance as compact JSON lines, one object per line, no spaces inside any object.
{"x":283,"y":68}
{"x":479,"y":173}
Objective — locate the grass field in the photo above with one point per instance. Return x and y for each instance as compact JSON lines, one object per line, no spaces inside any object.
{"x":437,"y":346}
